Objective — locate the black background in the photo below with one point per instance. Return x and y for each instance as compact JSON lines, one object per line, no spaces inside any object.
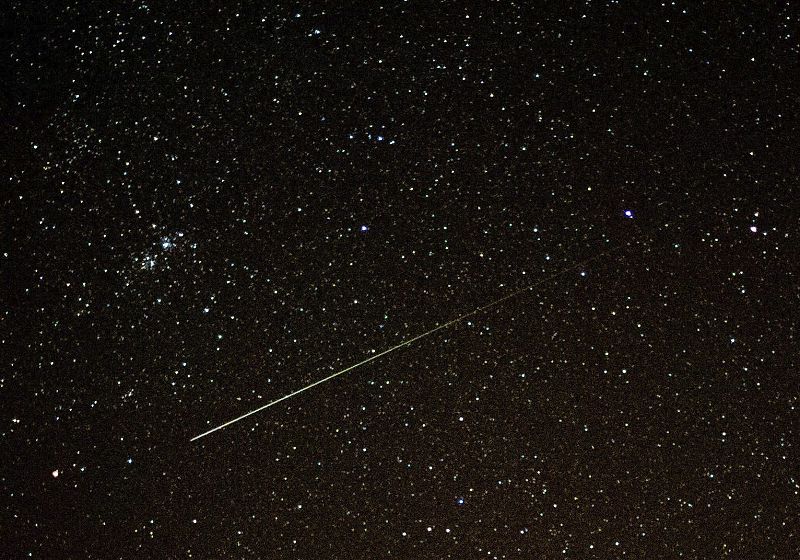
{"x":184,"y":195}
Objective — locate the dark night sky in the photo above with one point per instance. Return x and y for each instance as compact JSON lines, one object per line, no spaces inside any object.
{"x":206,"y":209}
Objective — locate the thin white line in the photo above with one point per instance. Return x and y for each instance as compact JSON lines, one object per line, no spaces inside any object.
{"x":412,"y":340}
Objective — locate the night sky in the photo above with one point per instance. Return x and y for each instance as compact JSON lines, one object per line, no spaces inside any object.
{"x":205,"y":209}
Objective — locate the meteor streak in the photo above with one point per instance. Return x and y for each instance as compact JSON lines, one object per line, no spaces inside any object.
{"x":414,"y":339}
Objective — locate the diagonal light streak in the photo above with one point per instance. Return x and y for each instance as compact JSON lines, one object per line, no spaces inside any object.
{"x":414,"y":339}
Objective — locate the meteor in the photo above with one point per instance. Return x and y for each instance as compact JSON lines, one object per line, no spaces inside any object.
{"x":414,"y":339}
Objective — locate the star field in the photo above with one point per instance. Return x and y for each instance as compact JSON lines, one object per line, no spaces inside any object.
{"x":208,"y":209}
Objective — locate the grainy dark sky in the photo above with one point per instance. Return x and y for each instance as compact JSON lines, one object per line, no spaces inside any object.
{"x":206,"y":208}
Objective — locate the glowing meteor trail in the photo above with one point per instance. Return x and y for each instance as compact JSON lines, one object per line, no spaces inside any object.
{"x":412,"y":340}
